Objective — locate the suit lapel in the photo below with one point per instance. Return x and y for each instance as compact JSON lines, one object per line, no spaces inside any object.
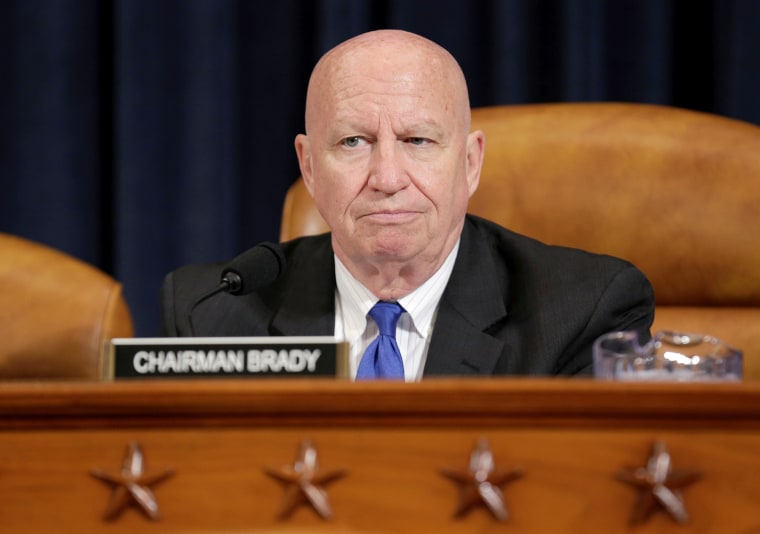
{"x":472,"y":303}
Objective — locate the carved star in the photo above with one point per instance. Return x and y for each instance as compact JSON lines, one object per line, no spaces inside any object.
{"x":303,"y":484}
{"x":659,"y":486}
{"x":132,"y":485}
{"x":482,"y":483}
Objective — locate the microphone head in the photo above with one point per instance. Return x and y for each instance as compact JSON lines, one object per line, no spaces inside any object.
{"x":254,"y":269}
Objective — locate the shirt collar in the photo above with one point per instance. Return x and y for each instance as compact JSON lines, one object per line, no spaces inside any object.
{"x":356,"y":300}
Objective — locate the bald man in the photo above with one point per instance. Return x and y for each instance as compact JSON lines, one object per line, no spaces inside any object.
{"x":391,"y":162}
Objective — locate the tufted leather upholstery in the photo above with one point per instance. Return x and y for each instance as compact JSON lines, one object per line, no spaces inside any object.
{"x":674,"y":191}
{"x":56,"y":313}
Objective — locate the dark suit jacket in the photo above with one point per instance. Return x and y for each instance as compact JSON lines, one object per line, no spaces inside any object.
{"x":512,"y":305}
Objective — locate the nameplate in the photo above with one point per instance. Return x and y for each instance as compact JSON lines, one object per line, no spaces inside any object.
{"x":226,"y":357}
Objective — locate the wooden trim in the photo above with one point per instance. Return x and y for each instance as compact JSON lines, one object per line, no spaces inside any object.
{"x":555,"y":402}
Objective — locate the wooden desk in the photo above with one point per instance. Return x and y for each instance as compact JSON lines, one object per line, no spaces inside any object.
{"x":570,"y":438}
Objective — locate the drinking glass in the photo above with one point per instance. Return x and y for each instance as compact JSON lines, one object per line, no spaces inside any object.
{"x":666,"y":356}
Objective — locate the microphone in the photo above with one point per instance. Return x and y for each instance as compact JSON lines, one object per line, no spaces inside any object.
{"x":254,"y":269}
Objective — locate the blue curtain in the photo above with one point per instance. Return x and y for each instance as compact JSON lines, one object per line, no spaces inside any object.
{"x":143,"y":135}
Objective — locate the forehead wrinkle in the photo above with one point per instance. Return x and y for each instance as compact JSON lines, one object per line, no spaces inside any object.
{"x":368,"y":114}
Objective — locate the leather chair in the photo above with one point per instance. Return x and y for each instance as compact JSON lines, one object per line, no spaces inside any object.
{"x":56,"y":313}
{"x":674,"y":191}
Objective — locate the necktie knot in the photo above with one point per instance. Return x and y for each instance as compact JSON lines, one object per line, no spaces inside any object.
{"x":386,"y":315}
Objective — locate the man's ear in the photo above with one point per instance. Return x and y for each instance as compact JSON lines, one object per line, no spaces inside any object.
{"x":303,"y":151}
{"x":476,"y":146}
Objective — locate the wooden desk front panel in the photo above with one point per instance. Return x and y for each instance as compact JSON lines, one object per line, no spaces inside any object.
{"x":391,"y":452}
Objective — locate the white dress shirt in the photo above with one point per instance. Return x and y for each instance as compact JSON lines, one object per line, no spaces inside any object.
{"x":415,"y":326}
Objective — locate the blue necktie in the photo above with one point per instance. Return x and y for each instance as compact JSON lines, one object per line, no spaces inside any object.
{"x":382,"y":359}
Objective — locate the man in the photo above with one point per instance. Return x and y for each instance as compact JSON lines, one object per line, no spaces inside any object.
{"x":391,"y":163}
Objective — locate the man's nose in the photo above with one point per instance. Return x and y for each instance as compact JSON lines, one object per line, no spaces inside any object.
{"x":386,"y":172}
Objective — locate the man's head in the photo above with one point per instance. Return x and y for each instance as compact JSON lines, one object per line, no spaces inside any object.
{"x":388,"y":156}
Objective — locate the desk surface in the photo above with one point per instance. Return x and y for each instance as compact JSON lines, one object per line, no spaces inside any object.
{"x":569,"y":438}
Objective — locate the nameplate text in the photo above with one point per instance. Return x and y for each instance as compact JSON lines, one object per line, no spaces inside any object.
{"x":254,"y":357}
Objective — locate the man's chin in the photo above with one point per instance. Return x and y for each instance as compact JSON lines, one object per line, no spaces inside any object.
{"x":386,"y":243}
{"x":393,"y":248}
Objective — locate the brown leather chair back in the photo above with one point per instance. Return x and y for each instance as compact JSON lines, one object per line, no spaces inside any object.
{"x":674,"y":191}
{"x":56,"y":313}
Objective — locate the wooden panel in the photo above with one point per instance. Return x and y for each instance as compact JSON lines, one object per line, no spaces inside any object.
{"x":569,"y":437}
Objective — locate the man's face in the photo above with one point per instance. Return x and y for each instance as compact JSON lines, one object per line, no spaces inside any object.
{"x":389,"y":161}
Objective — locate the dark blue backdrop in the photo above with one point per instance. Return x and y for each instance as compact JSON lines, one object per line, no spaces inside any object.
{"x":142,"y":135}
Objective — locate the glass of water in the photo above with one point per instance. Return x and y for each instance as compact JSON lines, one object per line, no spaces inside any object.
{"x":666,"y":356}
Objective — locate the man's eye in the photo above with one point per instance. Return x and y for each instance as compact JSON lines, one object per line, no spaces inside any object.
{"x":352,"y":141}
{"x":417,"y":140}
